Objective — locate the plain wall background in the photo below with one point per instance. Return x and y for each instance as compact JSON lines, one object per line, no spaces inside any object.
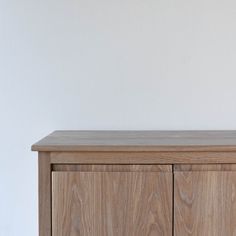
{"x":106,"y":64}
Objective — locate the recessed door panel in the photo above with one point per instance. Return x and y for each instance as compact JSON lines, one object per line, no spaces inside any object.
{"x":111,"y":203}
{"x":205,"y":201}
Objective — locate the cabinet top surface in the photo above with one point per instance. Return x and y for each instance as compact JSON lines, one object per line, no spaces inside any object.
{"x":138,"y":141}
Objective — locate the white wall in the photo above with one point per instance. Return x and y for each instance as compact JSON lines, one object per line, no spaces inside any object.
{"x":106,"y":64}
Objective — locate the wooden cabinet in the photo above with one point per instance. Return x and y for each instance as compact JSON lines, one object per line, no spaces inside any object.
{"x":139,"y":183}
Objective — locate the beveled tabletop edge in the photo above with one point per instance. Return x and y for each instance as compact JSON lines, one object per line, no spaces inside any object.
{"x":137,"y":141}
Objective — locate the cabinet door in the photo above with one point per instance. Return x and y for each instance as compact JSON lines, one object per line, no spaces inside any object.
{"x":125,"y":200}
{"x":205,"y":200}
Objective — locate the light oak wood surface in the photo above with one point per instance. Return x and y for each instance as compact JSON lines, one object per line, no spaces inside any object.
{"x":205,"y":203}
{"x":44,"y":174}
{"x":205,"y":167}
{"x":138,"y":141}
{"x":113,"y":168}
{"x":112,"y":204}
{"x":142,"y":157}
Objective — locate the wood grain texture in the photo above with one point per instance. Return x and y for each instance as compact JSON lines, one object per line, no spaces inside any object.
{"x":205,"y":167}
{"x":138,"y":141}
{"x":112,"y":204}
{"x":113,"y":168}
{"x":142,"y":157}
{"x":44,"y":174}
{"x":205,"y":203}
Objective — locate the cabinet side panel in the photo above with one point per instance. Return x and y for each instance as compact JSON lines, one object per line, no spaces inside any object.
{"x":112,"y":203}
{"x":205,"y":203}
{"x":44,"y":178}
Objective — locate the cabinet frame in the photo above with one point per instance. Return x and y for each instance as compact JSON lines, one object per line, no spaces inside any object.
{"x":49,"y":161}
